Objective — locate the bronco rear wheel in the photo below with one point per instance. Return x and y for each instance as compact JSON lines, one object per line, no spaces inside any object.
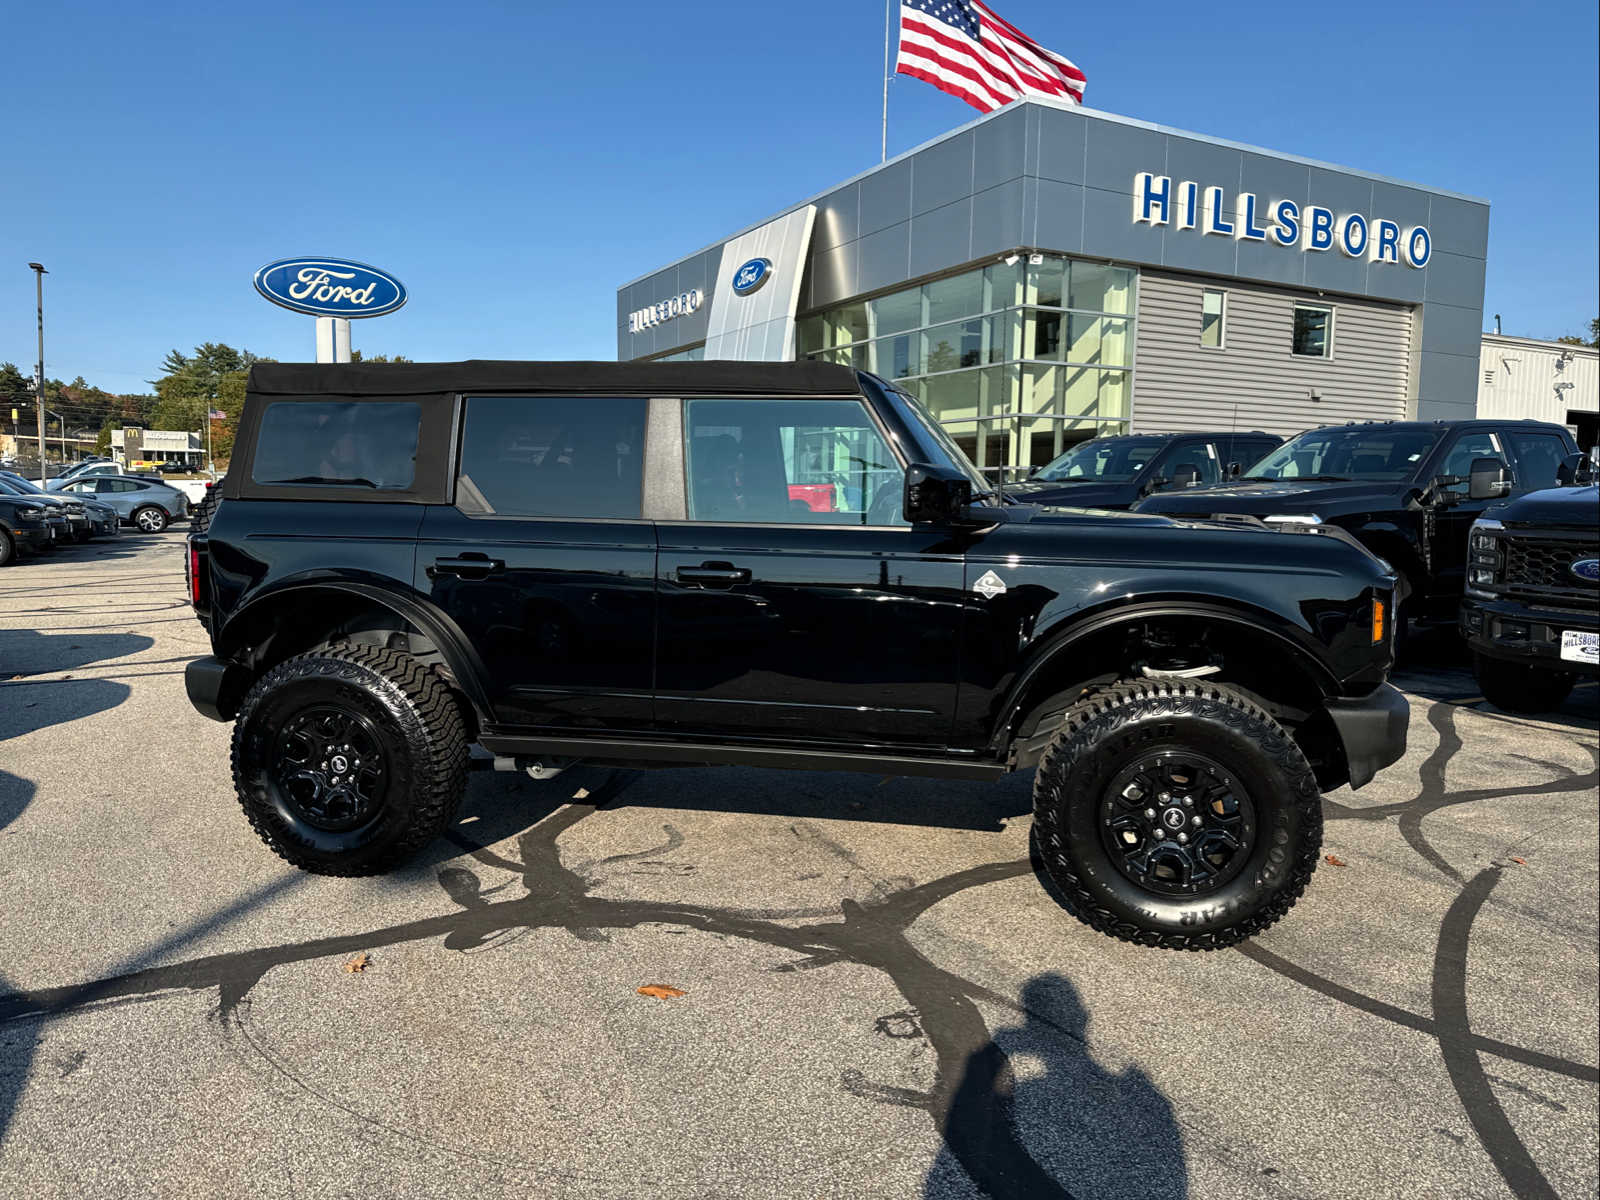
{"x":349,"y":759}
{"x":1176,"y":814}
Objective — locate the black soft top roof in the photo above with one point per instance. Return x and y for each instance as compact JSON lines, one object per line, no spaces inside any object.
{"x":597,"y":378}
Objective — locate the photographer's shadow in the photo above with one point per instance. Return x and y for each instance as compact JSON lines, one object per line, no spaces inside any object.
{"x":1035,"y":1117}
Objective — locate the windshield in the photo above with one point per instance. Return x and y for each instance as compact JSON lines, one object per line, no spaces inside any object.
{"x":1104,"y":460}
{"x":21,"y":485}
{"x":1353,"y":453}
{"x":958,"y":459}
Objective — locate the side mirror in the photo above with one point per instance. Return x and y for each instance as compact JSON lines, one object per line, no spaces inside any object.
{"x":1032,"y":471}
{"x":936,"y":495}
{"x":1576,"y":470}
{"x":1488,"y":479}
{"x":1235,"y":470}
{"x":1185,"y":475}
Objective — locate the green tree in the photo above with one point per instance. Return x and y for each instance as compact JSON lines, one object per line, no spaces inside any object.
{"x":1575,"y":339}
{"x":102,"y":444}
{"x":357,"y":356}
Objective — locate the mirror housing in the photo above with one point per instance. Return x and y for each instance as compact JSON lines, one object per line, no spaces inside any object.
{"x":1576,"y":470}
{"x":936,"y":495}
{"x":1185,"y":475}
{"x":1488,"y":479}
{"x":1234,"y":470}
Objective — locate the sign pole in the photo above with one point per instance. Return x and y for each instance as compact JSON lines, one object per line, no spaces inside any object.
{"x":883,"y":155}
{"x":341,"y":339}
{"x":38,"y":380}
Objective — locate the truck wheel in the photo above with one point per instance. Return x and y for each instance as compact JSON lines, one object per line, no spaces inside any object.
{"x":200,"y":517}
{"x":1176,"y":813}
{"x":150,"y":519}
{"x":349,"y":759}
{"x":1520,"y":688}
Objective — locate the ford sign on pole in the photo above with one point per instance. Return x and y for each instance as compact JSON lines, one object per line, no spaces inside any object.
{"x":330,"y":287}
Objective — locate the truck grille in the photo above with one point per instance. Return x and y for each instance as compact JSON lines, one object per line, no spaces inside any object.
{"x":1543,"y":565}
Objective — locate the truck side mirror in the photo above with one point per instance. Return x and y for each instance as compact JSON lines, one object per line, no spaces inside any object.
{"x":1576,"y":470}
{"x":1488,"y":479}
{"x":1234,"y":470}
{"x":936,"y":495}
{"x":1185,"y":475}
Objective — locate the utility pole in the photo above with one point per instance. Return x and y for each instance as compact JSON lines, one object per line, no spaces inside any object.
{"x":38,"y":379}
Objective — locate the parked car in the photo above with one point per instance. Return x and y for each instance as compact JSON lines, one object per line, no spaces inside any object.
{"x":89,"y":470}
{"x":541,"y":558}
{"x":98,"y":518}
{"x":141,"y":503}
{"x":1404,"y":489}
{"x":1117,"y":472}
{"x":65,"y":515}
{"x":1532,"y":612}
{"x":23,"y":526}
{"x":174,"y":466}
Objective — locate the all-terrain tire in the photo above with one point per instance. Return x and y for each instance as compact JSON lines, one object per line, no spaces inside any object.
{"x":1131,"y":722}
{"x":200,"y":515}
{"x":402,"y":707}
{"x":1519,"y":687}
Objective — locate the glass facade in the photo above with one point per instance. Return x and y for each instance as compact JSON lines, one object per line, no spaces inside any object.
{"x":1017,"y":360}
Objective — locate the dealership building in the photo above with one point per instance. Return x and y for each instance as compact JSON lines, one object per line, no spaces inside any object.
{"x":1047,"y":272}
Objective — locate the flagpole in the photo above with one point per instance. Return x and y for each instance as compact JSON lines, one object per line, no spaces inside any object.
{"x":888,"y":6}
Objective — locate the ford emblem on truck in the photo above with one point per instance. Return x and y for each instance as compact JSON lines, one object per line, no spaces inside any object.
{"x":751,"y":276}
{"x":330,"y":287}
{"x":1587,"y":568}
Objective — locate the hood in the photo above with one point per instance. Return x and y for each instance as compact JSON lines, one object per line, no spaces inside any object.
{"x":1266,"y":499}
{"x":1553,"y":506}
{"x":1086,"y":494}
{"x":1047,"y":514}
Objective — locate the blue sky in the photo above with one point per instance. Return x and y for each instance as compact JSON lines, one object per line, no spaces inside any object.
{"x":514,"y":163}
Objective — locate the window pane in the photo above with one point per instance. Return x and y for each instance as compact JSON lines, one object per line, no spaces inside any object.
{"x":1042,"y":334}
{"x":366,"y":445}
{"x":809,"y":334}
{"x":1099,"y":340}
{"x":553,"y":457}
{"x":1311,"y":329}
{"x":1101,"y":288}
{"x":1199,"y":455}
{"x":797,"y":462}
{"x":1538,"y":456}
{"x":1047,"y":283}
{"x":1211,"y":304}
{"x":952,"y":397}
{"x":846,"y":324}
{"x":950,"y":347}
{"x":960,"y":296}
{"x":1001,"y":284}
{"x":1094,"y":392}
{"x":891,"y":314}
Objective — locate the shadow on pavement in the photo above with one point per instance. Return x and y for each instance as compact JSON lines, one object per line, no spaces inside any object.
{"x":29,"y":705}
{"x":1035,"y":1117}
{"x":16,"y":1042}
{"x":28,"y":652}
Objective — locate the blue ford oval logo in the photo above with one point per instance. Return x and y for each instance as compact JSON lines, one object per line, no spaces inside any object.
{"x":751,"y":276}
{"x":1587,"y":568}
{"x":330,"y":287}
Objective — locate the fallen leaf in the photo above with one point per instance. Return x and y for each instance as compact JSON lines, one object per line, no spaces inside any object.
{"x":661,"y":991}
{"x":358,"y":964}
{"x":1333,"y":860}
{"x":1515,"y":859}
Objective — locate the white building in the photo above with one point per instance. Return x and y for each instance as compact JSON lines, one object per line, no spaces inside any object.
{"x":160,"y":444}
{"x":1543,"y":381}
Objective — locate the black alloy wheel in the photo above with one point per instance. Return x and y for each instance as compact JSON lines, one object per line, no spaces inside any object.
{"x":1177,"y":823}
{"x":329,"y":766}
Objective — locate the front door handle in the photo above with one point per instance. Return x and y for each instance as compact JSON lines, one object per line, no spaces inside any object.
{"x":714,"y":575}
{"x":467,"y":566}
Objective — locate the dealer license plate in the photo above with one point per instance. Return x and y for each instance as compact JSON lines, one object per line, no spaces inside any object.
{"x":1578,"y":646}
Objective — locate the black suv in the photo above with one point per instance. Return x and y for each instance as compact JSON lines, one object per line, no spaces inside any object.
{"x":1117,"y":472}
{"x":784,"y":565}
{"x":25,"y":524}
{"x":1407,"y":490}
{"x":1532,"y":612}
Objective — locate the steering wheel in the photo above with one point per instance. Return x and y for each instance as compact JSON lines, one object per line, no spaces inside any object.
{"x":885,"y":507}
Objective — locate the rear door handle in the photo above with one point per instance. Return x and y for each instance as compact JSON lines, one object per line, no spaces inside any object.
{"x":467,"y":566}
{"x":714,"y":574}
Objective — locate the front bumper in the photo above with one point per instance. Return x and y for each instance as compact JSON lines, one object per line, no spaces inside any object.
{"x":32,"y":537}
{"x":1521,"y":632}
{"x":1373,"y":730}
{"x":215,"y":687}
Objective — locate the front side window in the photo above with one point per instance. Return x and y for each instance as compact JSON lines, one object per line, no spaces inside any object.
{"x":1539,"y":456}
{"x":1467,"y":447}
{"x":1313,"y":331}
{"x":790,"y":462}
{"x":1106,"y":460}
{"x":1202,"y":456}
{"x":1213,"y":306}
{"x":1356,"y":453}
{"x":370,"y":445}
{"x":553,"y":456}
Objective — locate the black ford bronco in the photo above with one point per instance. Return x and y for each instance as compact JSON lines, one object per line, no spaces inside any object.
{"x":784,"y":565}
{"x":1532,"y":612}
{"x":1408,"y":490}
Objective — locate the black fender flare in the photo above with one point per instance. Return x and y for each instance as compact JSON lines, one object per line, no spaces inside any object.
{"x":471,"y":675}
{"x":1060,"y":641}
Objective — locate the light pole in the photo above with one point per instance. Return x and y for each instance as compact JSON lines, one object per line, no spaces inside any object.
{"x":38,"y":379}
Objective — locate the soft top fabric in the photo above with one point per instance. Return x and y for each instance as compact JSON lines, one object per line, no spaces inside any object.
{"x":554,"y":378}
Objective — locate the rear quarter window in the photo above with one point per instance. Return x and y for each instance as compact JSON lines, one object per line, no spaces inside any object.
{"x":367,"y":445}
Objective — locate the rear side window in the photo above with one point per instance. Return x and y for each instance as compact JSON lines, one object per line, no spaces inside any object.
{"x":368,"y":445}
{"x":553,"y":456}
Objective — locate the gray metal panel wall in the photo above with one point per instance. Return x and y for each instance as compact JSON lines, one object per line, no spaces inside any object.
{"x":1254,"y":382}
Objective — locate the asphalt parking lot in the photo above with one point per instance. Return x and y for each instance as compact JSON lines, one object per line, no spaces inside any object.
{"x":880,"y":998}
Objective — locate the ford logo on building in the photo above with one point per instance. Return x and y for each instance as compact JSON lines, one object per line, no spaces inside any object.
{"x":751,"y":276}
{"x":1587,"y":568}
{"x":330,"y":287}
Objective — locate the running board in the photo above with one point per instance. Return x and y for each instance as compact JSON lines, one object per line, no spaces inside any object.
{"x":617,"y":750}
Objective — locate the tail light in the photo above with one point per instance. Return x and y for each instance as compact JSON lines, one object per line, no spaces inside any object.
{"x":196,"y":576}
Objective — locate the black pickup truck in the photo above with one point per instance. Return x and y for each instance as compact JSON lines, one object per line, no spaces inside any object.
{"x":1117,"y":472}
{"x":1407,"y":490}
{"x":783,"y":565}
{"x":1532,"y":612}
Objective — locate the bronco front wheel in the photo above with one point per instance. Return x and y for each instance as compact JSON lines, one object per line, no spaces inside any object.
{"x":1176,"y":814}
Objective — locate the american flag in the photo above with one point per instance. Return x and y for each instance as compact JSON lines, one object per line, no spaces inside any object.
{"x":961,"y":47}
